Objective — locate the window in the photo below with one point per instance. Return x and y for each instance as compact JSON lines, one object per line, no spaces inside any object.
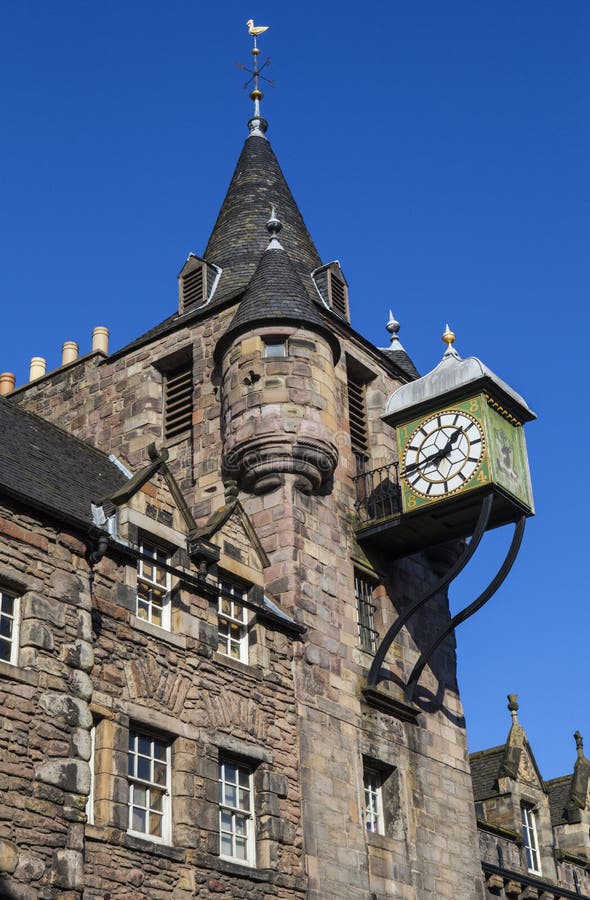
{"x":149,"y":786}
{"x":9,"y":611}
{"x":236,"y":812}
{"x":153,"y":586}
{"x":365,"y":610}
{"x":232,"y":621}
{"x":372,"y":783}
{"x":178,"y":401}
{"x":529,"y":834}
{"x":275,"y":348}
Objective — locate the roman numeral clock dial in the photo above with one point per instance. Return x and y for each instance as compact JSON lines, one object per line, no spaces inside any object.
{"x":443,"y":454}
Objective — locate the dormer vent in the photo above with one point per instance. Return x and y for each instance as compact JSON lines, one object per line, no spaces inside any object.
{"x":196,"y":283}
{"x":332,"y":288}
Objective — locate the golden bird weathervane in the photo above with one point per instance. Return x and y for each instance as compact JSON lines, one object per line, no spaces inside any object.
{"x":255,"y":74}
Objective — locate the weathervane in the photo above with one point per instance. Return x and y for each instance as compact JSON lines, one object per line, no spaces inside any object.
{"x":255,"y":74}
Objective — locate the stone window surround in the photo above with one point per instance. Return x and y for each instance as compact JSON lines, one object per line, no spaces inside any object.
{"x":113,"y":718}
{"x":13,"y":582}
{"x":389,"y":797}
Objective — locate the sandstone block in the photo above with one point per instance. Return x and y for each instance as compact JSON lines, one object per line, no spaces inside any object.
{"x":36,"y":606}
{"x":35,"y":634}
{"x":71,"y":775}
{"x":8,"y":855}
{"x":68,"y":869}
{"x":73,"y":711}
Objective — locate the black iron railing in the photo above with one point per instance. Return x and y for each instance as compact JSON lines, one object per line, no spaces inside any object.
{"x":378,"y":493}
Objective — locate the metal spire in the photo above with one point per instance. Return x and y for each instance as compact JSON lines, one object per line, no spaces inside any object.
{"x":449,"y":339}
{"x":257,"y":124}
{"x":393,"y":327}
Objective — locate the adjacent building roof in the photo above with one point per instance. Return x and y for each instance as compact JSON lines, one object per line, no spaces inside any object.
{"x":559,"y":790}
{"x":485,"y":770}
{"x":53,"y":471}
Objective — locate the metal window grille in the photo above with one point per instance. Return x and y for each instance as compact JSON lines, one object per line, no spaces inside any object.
{"x":232,"y":621}
{"x":373,"y":801}
{"x":153,"y":586}
{"x":530,"y":842}
{"x":236,"y":812}
{"x":178,"y":401}
{"x":9,"y":610}
{"x":193,"y":288}
{"x":365,"y":608}
{"x":338,"y":295}
{"x":149,"y":786}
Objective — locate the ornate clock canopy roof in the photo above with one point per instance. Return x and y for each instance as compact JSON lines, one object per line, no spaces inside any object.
{"x":453,"y":379}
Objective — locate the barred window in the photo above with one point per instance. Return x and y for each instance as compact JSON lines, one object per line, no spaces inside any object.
{"x":232,"y":621}
{"x":153,"y":586}
{"x":149,"y":786}
{"x":9,"y":616}
{"x":365,"y":609}
{"x":236,"y":812}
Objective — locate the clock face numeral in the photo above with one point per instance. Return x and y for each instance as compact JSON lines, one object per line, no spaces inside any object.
{"x":443,"y":453}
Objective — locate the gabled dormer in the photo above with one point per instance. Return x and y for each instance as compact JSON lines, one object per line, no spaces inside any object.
{"x":333,"y":288}
{"x":197,"y":281}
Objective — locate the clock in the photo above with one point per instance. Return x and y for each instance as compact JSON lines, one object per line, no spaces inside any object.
{"x":443,"y":453}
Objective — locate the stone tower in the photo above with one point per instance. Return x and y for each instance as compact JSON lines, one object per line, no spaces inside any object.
{"x":264,"y":403}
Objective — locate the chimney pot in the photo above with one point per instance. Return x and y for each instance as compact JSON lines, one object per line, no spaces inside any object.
{"x":7,"y":383}
{"x":38,"y":368}
{"x":100,"y":340}
{"x":69,"y":352}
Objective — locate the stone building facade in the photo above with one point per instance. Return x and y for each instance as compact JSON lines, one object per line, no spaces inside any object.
{"x":189,"y":619}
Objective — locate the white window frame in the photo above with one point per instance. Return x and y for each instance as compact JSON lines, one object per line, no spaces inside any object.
{"x":136,"y":784}
{"x":365,"y":612}
{"x":10,"y":622}
{"x":530,"y":838}
{"x":373,"y":800}
{"x":232,"y":620}
{"x":151,"y":584}
{"x":236,"y":819}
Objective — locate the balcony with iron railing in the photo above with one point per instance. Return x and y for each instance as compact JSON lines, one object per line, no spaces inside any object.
{"x":378,"y":494}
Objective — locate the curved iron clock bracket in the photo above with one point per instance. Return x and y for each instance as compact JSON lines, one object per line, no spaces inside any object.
{"x":375,"y":675}
{"x":468,"y":610}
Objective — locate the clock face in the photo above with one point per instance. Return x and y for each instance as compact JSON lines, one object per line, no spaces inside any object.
{"x":443,"y":453}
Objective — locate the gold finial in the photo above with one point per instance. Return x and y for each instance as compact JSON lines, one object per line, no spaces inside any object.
{"x":449,"y":336}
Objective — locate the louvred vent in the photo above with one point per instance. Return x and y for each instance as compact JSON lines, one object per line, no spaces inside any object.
{"x":357,"y":415}
{"x":338,"y":295}
{"x":193,"y":288}
{"x":178,"y":402}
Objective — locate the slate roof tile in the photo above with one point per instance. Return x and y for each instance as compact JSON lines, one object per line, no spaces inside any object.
{"x":485,"y":768}
{"x":42,"y":465}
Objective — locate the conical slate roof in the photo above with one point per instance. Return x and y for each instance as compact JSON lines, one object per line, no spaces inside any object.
{"x":238,"y":237}
{"x":276,"y":295}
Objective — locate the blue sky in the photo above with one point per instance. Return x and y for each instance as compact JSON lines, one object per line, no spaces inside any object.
{"x":439,"y":150}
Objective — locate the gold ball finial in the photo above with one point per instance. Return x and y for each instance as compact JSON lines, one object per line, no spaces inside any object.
{"x":256,"y":94}
{"x":449,"y":336}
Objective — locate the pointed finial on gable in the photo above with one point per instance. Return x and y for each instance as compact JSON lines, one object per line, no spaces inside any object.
{"x":579,"y":743}
{"x":512,"y":701}
{"x":273,"y":226}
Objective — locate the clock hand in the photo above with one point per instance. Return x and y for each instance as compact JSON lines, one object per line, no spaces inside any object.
{"x":440,"y":454}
